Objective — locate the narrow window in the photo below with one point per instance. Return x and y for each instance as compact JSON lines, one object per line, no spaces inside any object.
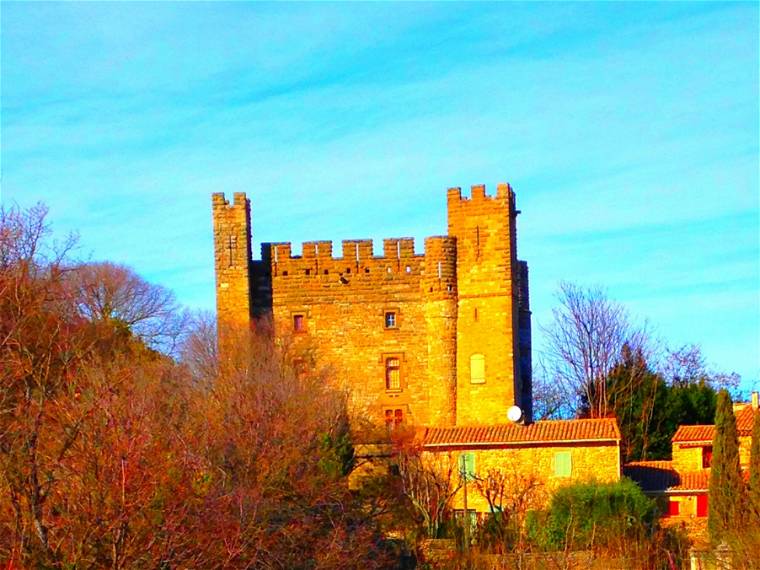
{"x":707,"y":453}
{"x":299,"y":325}
{"x":392,"y":373}
{"x":563,"y":464}
{"x":467,"y":465}
{"x":477,"y":369}
{"x":390,"y":319}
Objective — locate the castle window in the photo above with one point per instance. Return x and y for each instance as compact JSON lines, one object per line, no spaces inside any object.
{"x":563,"y":466}
{"x":390,"y":320}
{"x":299,"y":323}
{"x":477,"y":369}
{"x":299,"y":368}
{"x":393,"y":373}
{"x":393,"y":418}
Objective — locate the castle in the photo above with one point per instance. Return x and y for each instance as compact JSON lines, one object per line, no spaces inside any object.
{"x":438,"y":339}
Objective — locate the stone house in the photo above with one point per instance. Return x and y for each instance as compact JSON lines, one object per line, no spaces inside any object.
{"x":682,"y":483}
{"x":533,"y":460}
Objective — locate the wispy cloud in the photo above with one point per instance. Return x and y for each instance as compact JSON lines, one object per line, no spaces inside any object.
{"x":630,"y":132}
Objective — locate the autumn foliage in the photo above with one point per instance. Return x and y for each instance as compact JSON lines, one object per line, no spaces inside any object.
{"x":114,"y":455}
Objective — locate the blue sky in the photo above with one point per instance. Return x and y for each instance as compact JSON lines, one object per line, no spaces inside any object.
{"x":629,"y":132}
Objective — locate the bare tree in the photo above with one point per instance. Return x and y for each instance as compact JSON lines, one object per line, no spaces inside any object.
{"x":115,"y":294}
{"x":200,"y":348}
{"x":584,"y":344}
{"x":511,"y":492}
{"x":429,"y":481}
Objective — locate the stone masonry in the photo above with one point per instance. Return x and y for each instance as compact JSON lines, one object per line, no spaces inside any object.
{"x":440,"y":338}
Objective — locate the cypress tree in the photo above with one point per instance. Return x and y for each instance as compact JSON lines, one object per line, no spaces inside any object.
{"x":754,"y":469}
{"x":727,"y":491}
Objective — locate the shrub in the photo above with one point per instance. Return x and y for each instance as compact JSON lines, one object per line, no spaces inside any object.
{"x":585,"y":515}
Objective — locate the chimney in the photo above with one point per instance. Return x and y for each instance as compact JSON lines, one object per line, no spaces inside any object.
{"x":755,"y":400}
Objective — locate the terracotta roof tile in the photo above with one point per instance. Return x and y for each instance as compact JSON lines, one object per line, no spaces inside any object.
{"x":605,"y":429}
{"x":693,"y":433}
{"x":660,"y":476}
{"x":744,"y":419}
{"x":704,"y":433}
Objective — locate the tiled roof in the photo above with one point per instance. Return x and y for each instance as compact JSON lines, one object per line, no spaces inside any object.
{"x":693,"y":433}
{"x":605,"y":429}
{"x":704,"y":433}
{"x":659,"y":476}
{"x":744,"y":419}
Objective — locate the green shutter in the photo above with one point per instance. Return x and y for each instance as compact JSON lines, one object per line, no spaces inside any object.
{"x":563,"y":466}
{"x":467,"y":465}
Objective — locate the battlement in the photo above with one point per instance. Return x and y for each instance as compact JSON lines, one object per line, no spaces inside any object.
{"x":478,"y":193}
{"x":358,"y":250}
{"x":218,"y":200}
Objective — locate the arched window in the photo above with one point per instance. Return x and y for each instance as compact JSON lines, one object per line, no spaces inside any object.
{"x":477,"y":369}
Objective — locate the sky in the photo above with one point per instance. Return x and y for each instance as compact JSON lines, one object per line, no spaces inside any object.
{"x":628,"y":131}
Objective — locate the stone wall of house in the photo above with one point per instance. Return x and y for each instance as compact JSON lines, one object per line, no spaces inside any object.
{"x":687,"y":458}
{"x":530,"y":467}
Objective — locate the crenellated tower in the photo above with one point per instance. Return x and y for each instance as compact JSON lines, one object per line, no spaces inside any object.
{"x":488,"y":364}
{"x":232,"y":258}
{"x":439,"y":291}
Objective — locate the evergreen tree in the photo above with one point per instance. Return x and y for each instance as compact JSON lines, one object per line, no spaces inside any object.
{"x":649,"y":409}
{"x":727,"y":491}
{"x":754,"y":470}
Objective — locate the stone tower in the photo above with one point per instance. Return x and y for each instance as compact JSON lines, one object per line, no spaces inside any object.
{"x":488,"y":363}
{"x":232,"y":258}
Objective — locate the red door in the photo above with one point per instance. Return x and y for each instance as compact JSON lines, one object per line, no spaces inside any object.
{"x":701,"y":505}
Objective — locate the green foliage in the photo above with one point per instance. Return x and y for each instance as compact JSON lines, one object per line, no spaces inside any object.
{"x":649,"y":410}
{"x":727,"y":491}
{"x":337,"y":452}
{"x":498,"y":533}
{"x":754,"y":470}
{"x":586,"y":515}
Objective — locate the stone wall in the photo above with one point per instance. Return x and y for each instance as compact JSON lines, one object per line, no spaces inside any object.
{"x":342,"y":303}
{"x":533,"y":465}
{"x":687,"y":458}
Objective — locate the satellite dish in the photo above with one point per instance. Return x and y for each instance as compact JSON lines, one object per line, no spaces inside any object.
{"x":514,"y":414}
